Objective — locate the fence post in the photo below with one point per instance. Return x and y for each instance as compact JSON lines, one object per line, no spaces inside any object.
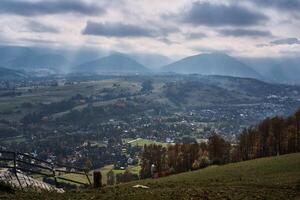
{"x":15,"y":169}
{"x":97,"y":179}
{"x":88,"y":178}
{"x":54,"y":175}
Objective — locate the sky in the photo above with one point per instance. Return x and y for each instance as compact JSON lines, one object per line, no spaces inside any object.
{"x":173,"y":28}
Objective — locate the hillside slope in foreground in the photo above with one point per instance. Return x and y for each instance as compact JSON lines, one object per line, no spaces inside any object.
{"x":265,"y":178}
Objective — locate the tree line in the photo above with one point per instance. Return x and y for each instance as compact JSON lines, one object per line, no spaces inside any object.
{"x":273,"y":136}
{"x":183,"y":157}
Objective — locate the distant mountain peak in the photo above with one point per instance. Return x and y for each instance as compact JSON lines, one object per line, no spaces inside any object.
{"x":118,"y":56}
{"x":114,"y":63}
{"x":216,"y":63}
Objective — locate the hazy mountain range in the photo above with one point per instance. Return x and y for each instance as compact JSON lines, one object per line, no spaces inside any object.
{"x":9,"y":74}
{"x":116,"y":63}
{"x":45,"y":61}
{"x":282,"y":70}
{"x":212,"y":64}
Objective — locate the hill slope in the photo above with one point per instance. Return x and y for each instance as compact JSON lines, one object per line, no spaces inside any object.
{"x":116,"y":63}
{"x":53,"y":62}
{"x":266,"y":178}
{"x":286,"y":72}
{"x":196,"y":90}
{"x":8,"y":74}
{"x":8,"y":53}
{"x":283,"y":70}
{"x":212,"y":64}
{"x":28,"y":59}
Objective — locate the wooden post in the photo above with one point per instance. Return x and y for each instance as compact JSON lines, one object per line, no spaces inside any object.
{"x":54,"y":176}
{"x":88,"y":178}
{"x":97,"y":179}
{"x":15,"y":169}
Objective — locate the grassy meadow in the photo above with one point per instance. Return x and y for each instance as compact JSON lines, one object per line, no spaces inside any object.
{"x":265,"y":178}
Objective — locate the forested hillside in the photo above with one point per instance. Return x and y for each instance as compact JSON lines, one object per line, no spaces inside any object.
{"x":273,"y":136}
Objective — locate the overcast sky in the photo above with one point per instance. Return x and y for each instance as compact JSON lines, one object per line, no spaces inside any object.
{"x":174,"y":28}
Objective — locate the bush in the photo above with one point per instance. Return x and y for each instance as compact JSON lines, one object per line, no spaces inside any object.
{"x":201,"y":163}
{"x":110,"y":178}
{"x":126,"y":177}
{"x":204,"y":162}
{"x":6,"y":188}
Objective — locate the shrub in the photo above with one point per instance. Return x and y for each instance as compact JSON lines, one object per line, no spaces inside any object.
{"x":6,"y":188}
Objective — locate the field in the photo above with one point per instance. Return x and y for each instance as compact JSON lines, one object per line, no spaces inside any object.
{"x":77,"y":177}
{"x":104,"y":170}
{"x":141,"y":142}
{"x":47,"y":94}
{"x":266,"y":178}
{"x":132,"y":169}
{"x":17,"y":139}
{"x":187,"y":92}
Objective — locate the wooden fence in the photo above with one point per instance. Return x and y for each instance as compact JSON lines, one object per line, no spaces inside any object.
{"x":24,"y":163}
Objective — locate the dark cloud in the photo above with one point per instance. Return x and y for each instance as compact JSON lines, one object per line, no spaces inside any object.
{"x":166,"y":30}
{"x":222,"y":15}
{"x":290,"y":5}
{"x":117,"y":30}
{"x":33,"y":8}
{"x":288,"y":41}
{"x":195,"y":36}
{"x":37,"y":27}
{"x":245,"y":33}
{"x":38,"y":41}
{"x":285,"y":41}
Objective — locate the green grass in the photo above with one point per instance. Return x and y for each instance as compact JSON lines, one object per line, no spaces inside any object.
{"x":135,"y":169}
{"x":53,"y":94}
{"x":141,"y":142}
{"x":11,"y":106}
{"x":132,"y":169}
{"x":17,"y":139}
{"x":76,"y":177}
{"x":266,"y":178}
{"x":104,"y":170}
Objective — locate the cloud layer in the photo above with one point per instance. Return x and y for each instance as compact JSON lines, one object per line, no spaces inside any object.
{"x":245,"y":33}
{"x":174,"y":28}
{"x":222,"y":15}
{"x":289,"y":5}
{"x":33,"y":8}
{"x":288,"y":41}
{"x":116,"y":30}
{"x":38,"y":27}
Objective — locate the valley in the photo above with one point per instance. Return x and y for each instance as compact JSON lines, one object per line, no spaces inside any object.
{"x":122,"y":99}
{"x":74,"y":119}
